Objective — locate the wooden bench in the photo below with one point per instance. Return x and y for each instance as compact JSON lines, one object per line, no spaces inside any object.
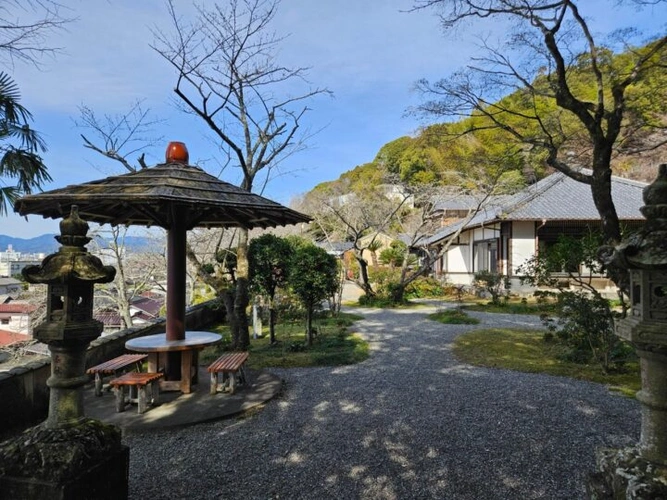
{"x":231,"y":365}
{"x":114,"y":367}
{"x":138,"y":385}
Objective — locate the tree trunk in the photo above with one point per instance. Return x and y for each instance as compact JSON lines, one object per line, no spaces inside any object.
{"x":122,"y":298}
{"x":601,"y":191}
{"x":364,"y":282}
{"x":309,"y":325}
{"x":398,"y":293}
{"x":242,"y":299}
{"x":228,"y":300}
{"x":374,"y":259}
{"x":272,"y":321}
{"x":611,"y":227}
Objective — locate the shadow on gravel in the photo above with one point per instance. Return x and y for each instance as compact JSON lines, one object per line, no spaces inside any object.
{"x":409,"y":422}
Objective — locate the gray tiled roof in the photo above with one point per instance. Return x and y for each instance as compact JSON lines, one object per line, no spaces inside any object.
{"x":559,"y":197}
{"x":457,"y":202}
{"x":336,"y":247}
{"x":556,"y":197}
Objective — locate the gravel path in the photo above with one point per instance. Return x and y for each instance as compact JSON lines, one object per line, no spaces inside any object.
{"x":409,"y":423}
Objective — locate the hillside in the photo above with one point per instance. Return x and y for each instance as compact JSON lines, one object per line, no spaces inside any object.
{"x":475,"y":150}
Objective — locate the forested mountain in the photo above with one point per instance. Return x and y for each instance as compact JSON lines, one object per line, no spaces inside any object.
{"x":46,"y":243}
{"x":471,"y":152}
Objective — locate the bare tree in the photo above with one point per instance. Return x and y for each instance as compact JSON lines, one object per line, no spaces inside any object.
{"x":418,"y":225}
{"x":531,"y":89}
{"x":137,"y":272}
{"x":209,"y":253}
{"x":342,"y":215}
{"x":25,"y":28}
{"x":229,"y":77}
{"x":117,"y":137}
{"x":121,"y":136}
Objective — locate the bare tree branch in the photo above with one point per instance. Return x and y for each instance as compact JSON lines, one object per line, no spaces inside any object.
{"x":120,"y":136}
{"x":25,"y":28}
{"x":550,"y":50}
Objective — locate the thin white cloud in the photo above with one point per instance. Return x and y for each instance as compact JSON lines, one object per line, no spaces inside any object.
{"x":106,"y":61}
{"x":367,"y":52}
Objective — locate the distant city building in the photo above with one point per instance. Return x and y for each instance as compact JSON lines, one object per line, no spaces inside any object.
{"x":17,"y":317}
{"x":142,"y":310}
{"x":9,"y":287}
{"x":12,"y":262}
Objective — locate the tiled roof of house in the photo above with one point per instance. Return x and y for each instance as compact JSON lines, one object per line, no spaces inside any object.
{"x":336,"y":247}
{"x":109,"y":318}
{"x":8,"y":338}
{"x":560,"y":197}
{"x":142,"y":317}
{"x":150,"y":307}
{"x":556,"y":197}
{"x":466,"y":202}
{"x":5,"y":281}
{"x":17,"y":307}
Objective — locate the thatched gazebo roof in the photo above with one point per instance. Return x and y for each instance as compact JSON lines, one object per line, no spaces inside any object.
{"x":156,"y":196}
{"x":173,"y":195}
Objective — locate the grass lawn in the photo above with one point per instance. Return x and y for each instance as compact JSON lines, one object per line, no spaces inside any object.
{"x":453,"y":317}
{"x":333,"y":345}
{"x":512,"y":306}
{"x":526,"y":351}
{"x":387,"y":304}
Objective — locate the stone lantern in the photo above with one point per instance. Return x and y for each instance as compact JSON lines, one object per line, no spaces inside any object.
{"x":641,"y":471}
{"x":70,"y":275}
{"x":68,"y":456}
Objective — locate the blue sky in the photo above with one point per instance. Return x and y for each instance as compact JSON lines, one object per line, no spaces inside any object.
{"x":367,"y":52}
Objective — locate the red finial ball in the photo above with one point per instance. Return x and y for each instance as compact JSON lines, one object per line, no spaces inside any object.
{"x":177,"y":153}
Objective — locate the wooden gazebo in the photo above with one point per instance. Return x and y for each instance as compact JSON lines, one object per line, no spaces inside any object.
{"x":173,"y":195}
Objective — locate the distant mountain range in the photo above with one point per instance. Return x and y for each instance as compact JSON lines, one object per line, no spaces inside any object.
{"x":46,"y":243}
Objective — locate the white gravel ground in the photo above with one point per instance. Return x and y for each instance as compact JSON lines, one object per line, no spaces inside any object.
{"x":411,"y":422}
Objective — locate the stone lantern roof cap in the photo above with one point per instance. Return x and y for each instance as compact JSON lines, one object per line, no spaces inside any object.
{"x":72,"y":262}
{"x":647,"y":249}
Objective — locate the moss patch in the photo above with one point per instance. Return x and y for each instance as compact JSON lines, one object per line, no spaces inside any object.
{"x":58,"y":454}
{"x":453,"y":317}
{"x":333,"y":345}
{"x":526,"y":351}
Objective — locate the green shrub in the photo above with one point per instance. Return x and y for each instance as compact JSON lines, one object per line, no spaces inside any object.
{"x":381,"y":301}
{"x":424,"y":287}
{"x":585,"y":323}
{"x":296,"y":347}
{"x":382,"y":275}
{"x":453,"y":317}
{"x":495,"y":284}
{"x":288,"y":307}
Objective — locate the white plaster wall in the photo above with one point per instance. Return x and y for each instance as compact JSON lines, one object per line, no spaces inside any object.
{"x":458,"y":259}
{"x":459,"y":279}
{"x":523,"y":243}
{"x":18,"y":323}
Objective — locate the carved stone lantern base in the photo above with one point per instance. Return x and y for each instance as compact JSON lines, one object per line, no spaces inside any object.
{"x":625,"y":475}
{"x":68,"y":456}
{"x":81,"y":460}
{"x":641,"y":472}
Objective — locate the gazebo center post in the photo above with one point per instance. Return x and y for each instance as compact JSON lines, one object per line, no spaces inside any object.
{"x":176,"y":152}
{"x":176,"y":262}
